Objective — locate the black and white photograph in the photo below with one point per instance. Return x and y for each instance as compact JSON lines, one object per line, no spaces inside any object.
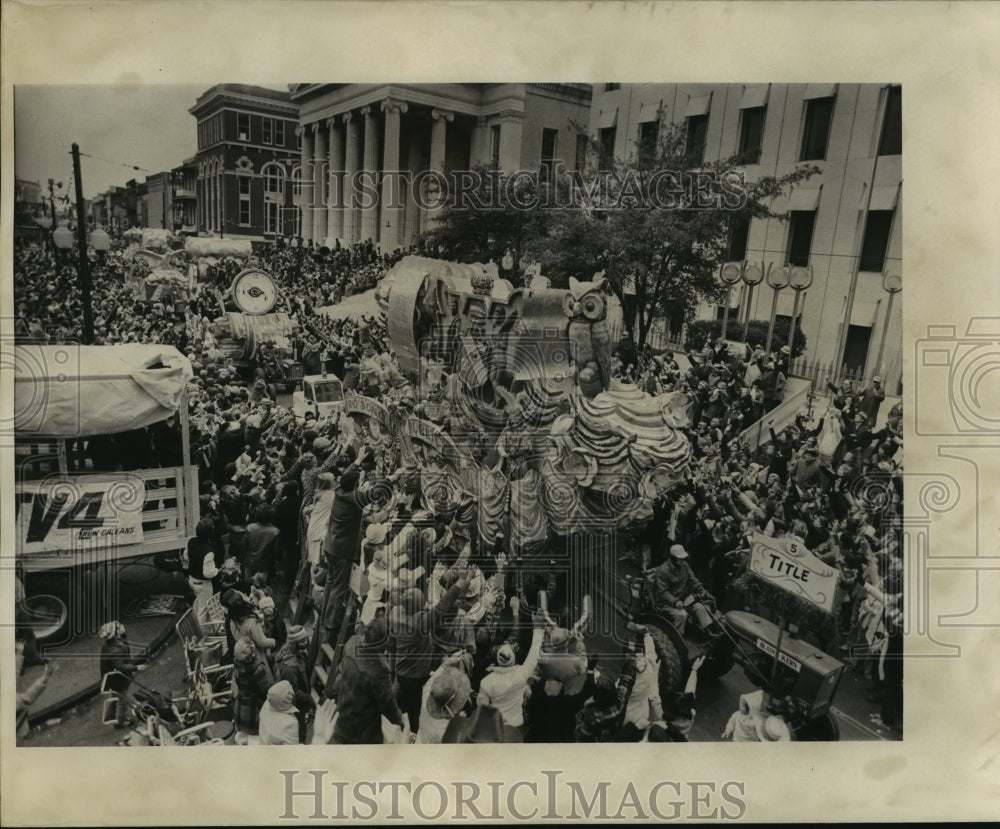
{"x":363,"y":416}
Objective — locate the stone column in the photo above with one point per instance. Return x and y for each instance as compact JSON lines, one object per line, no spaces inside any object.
{"x":319,"y":183}
{"x":439,"y":145}
{"x":391,"y":203}
{"x":220,"y":200}
{"x":510,"y":141}
{"x":478,"y":149}
{"x":351,"y":217}
{"x":369,"y":166}
{"x":411,"y":219}
{"x":335,"y":189}
{"x":306,"y":178}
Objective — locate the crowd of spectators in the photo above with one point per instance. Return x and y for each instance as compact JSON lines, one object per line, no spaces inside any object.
{"x":437,"y":654}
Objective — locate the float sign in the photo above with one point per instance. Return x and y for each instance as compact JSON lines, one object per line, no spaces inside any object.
{"x":786,"y":563}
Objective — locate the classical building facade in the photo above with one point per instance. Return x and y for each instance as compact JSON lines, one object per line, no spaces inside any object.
{"x":844,"y":223}
{"x":363,"y":146}
{"x":247,"y":161}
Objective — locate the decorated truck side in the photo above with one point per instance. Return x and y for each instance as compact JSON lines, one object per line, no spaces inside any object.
{"x":86,"y":501}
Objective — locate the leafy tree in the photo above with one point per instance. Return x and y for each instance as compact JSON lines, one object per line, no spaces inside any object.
{"x":657,"y":224}
{"x":488,"y":215}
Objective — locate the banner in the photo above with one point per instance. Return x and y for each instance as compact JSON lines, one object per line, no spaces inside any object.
{"x":757,"y":434}
{"x":355,"y":403}
{"x":70,"y":515}
{"x":786,"y":563}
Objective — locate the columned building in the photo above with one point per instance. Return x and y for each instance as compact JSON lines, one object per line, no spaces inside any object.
{"x":354,"y":136}
{"x":247,"y":159}
{"x":846,"y":221}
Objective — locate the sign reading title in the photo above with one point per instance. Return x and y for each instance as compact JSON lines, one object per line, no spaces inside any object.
{"x":786,"y":563}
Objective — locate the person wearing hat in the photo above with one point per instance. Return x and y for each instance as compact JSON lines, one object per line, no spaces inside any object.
{"x":116,"y":655}
{"x":364,"y":689}
{"x":677,"y":593}
{"x":564,"y":660}
{"x":446,"y":694}
{"x":416,"y":630}
{"x":772,"y":729}
{"x":742,"y":726}
{"x":871,"y":400}
{"x":806,"y":470}
{"x":278,"y":723}
{"x":251,"y":681}
{"x":291,"y":663}
{"x":505,"y":683}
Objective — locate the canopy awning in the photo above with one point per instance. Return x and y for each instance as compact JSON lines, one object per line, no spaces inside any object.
{"x":607,"y":118}
{"x":804,"y":198}
{"x":820,"y":90}
{"x":698,"y":105}
{"x":64,"y":391}
{"x":883,"y":198}
{"x":754,"y":95}
{"x":649,"y":111}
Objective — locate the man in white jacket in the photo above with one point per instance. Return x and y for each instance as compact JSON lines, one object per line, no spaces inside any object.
{"x":504,"y":685}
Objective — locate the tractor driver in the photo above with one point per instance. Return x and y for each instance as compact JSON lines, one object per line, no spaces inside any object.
{"x":677,"y":593}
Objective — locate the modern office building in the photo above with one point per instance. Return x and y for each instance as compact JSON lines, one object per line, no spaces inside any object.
{"x":844,"y":223}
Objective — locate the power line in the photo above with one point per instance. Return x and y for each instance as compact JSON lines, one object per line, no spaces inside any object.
{"x":118,"y":163}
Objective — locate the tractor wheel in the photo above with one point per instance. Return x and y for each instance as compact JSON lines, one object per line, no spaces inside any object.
{"x":671,"y":671}
{"x":820,"y":730}
{"x":720,"y":659}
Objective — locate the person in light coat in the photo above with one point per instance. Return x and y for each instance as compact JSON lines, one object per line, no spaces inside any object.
{"x":504,"y":685}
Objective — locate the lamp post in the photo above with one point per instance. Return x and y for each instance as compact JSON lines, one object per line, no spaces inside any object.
{"x":777,"y":280}
{"x":800,"y":279}
{"x":730,"y":273}
{"x":891,"y":284}
{"x":753,"y":275}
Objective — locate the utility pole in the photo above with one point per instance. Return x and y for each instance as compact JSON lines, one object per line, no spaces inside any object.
{"x":81,"y":231}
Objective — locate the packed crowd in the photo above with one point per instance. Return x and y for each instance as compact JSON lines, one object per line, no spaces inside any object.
{"x":441,"y":649}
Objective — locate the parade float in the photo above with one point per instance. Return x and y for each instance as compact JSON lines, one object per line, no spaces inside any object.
{"x":518,"y":427}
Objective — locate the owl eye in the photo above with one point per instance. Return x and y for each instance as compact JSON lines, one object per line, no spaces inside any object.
{"x":592,"y":307}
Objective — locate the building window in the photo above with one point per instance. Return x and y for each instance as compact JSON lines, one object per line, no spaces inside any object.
{"x":800,"y":234}
{"x":891,"y":142}
{"x":244,"y":189}
{"x":739,"y":232}
{"x":298,"y":139}
{"x":876,"y":241}
{"x":606,"y":139}
{"x":271,"y":209}
{"x":297,"y":182}
{"x":242,"y":127}
{"x":548,"y":155}
{"x":273,"y":183}
{"x":611,"y":87}
{"x":267,"y":131}
{"x":279,"y":132}
{"x":697,"y":130}
{"x":751,"y":134}
{"x":495,"y":146}
{"x":819,"y":114}
{"x":649,"y":134}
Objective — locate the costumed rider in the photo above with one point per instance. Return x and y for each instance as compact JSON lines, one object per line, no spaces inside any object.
{"x":677,"y":593}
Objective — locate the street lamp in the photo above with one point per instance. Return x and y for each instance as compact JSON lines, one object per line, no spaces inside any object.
{"x":891,"y":284}
{"x":753,"y":275}
{"x":730,"y":273}
{"x":100,"y":241}
{"x":62,"y":237}
{"x":800,"y":279}
{"x":777,"y":280}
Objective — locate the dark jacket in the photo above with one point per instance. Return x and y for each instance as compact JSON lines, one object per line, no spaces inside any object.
{"x":364,"y":693}
{"x":595,"y":724}
{"x":343,"y":539}
{"x":416,"y":636}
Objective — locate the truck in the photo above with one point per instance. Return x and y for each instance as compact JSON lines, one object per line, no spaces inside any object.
{"x":79,"y":518}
